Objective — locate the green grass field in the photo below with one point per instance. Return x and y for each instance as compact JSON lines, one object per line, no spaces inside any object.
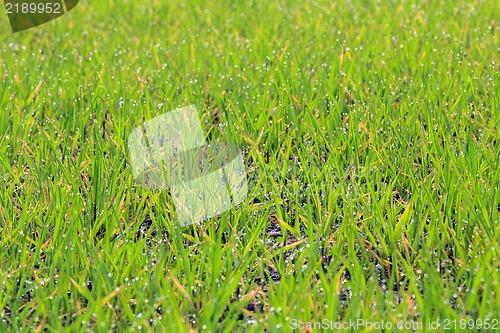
{"x":371,"y":135}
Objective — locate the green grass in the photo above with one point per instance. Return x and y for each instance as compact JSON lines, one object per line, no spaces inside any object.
{"x":371,"y":136}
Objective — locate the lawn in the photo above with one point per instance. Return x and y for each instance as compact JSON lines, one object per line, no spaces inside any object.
{"x":371,"y":137}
